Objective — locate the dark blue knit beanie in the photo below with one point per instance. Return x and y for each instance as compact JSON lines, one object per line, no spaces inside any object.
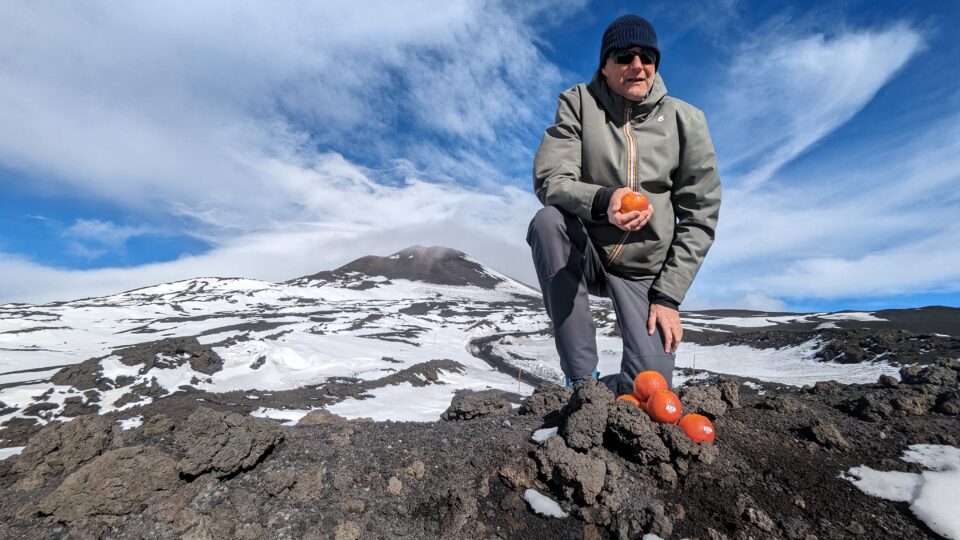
{"x":628,"y":31}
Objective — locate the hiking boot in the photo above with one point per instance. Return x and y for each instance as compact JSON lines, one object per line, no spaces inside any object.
{"x":578,"y":382}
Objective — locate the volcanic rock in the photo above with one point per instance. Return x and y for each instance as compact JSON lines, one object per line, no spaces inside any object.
{"x":469,"y":404}
{"x":869,"y":407}
{"x":224,"y":443}
{"x":119,"y":482}
{"x":439,"y":265}
{"x":682,"y":449}
{"x":634,"y":435}
{"x":171,"y":353}
{"x":888,"y":381}
{"x":826,"y":434}
{"x":59,"y":448}
{"x":949,"y":402}
{"x":459,"y":507}
{"x":705,"y":400}
{"x":518,"y":474}
{"x":547,"y":400}
{"x":576,"y":474}
{"x":319,"y":417}
{"x":730,"y":391}
{"x":915,"y":404}
{"x":75,"y":406}
{"x":936,"y":375}
{"x":86,"y":375}
{"x":781,"y":404}
{"x":586,"y":419}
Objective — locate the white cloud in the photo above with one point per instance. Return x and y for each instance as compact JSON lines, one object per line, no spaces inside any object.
{"x":491,"y":227}
{"x":224,"y":114}
{"x":104,"y":232}
{"x":876,"y":226}
{"x":190,"y":107}
{"x":93,"y":238}
{"x":785,"y":92}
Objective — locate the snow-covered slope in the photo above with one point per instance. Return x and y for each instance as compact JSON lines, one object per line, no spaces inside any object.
{"x":363,"y":322}
{"x":278,"y":336}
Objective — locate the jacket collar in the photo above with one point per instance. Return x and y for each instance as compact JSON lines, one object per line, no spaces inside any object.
{"x":615,"y":104}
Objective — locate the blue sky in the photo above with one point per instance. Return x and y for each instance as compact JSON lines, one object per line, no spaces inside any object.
{"x":145,"y":143}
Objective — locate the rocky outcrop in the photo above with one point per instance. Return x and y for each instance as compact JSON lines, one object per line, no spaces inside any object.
{"x":585,"y":419}
{"x":468,"y":404}
{"x":119,"y":482}
{"x":60,"y":448}
{"x":223,"y":444}
{"x":546,"y":401}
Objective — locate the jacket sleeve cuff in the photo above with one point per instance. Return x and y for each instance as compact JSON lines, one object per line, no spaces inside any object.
{"x":601,"y":202}
{"x":657,"y":297}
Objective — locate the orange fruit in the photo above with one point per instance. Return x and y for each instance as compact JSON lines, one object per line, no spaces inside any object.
{"x":664,"y":406}
{"x":629,"y":398}
{"x":646,"y":383}
{"x":698,"y":427}
{"x":633,"y":202}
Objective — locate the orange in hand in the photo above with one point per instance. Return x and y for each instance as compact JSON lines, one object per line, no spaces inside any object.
{"x":633,"y":202}
{"x":628,"y":398}
{"x":698,"y":427}
{"x":646,"y":383}
{"x":664,"y":406}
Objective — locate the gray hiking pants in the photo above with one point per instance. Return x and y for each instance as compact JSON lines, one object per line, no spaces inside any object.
{"x":569,"y":268}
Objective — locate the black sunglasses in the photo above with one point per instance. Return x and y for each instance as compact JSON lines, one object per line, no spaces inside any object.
{"x":626,"y":56}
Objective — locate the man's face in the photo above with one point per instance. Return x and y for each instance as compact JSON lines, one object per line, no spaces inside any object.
{"x":632,"y":81}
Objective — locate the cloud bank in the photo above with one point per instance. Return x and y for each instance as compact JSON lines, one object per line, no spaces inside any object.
{"x":250,"y":121}
{"x":294,"y":138}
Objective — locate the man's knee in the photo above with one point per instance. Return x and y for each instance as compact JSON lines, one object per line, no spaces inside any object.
{"x":548,"y":221}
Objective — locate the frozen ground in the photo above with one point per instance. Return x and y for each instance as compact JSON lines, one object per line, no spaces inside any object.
{"x":795,"y":366}
{"x":390,"y":348}
{"x":932,"y":494}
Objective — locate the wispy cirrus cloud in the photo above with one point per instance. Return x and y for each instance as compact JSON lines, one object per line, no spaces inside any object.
{"x":878,"y":224}
{"x":92,"y":238}
{"x":786,"y":91}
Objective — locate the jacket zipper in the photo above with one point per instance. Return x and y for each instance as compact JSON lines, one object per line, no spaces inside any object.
{"x":631,"y":180}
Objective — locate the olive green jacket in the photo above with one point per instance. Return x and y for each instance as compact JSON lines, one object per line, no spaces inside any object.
{"x":661,"y":147}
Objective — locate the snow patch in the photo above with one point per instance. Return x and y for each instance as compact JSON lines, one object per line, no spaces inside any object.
{"x":131,"y":423}
{"x":543,"y":505}
{"x":861,"y":316}
{"x":932,"y":494}
{"x":287,"y":417}
{"x":10,"y":451}
{"x":542,"y":435}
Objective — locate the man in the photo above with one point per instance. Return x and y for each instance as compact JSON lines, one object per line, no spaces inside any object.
{"x":618,"y":134}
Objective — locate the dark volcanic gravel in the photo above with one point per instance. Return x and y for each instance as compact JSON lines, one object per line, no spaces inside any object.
{"x":852,"y":345}
{"x":773,"y":473}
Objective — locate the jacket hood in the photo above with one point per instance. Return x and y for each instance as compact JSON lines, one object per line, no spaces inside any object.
{"x":615,"y":104}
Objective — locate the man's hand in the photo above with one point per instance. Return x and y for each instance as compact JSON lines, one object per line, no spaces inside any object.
{"x":670,"y":327}
{"x":631,"y":221}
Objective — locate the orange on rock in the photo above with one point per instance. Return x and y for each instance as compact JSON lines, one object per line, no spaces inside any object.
{"x":698,"y":427}
{"x":664,"y":406}
{"x":646,"y":383}
{"x":629,"y":398}
{"x":633,"y":202}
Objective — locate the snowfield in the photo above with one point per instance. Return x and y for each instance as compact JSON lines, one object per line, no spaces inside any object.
{"x":282,"y":336}
{"x":392,"y":348}
{"x":932,"y":494}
